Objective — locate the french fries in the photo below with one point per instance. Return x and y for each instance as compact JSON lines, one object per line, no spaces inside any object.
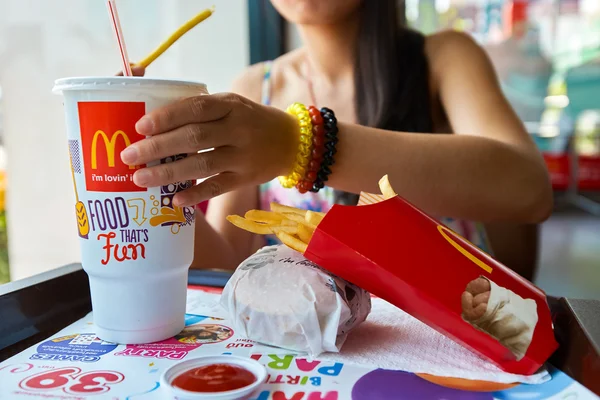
{"x":250,"y":226}
{"x":386,"y":188}
{"x":305,"y":233}
{"x":280,"y":208}
{"x":266,"y":217}
{"x":299,"y":219}
{"x":314,"y":218}
{"x":293,"y":226}
{"x":292,"y":241}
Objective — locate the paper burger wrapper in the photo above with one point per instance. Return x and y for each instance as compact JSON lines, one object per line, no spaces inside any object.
{"x":279,"y":298}
{"x":395,"y":251}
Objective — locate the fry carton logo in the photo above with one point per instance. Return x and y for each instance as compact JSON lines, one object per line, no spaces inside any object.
{"x":448,"y":233}
{"x":107,"y":128}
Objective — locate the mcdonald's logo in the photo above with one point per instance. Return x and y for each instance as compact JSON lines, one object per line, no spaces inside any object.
{"x":447,"y":233}
{"x":109,"y":145}
{"x":107,"y":128}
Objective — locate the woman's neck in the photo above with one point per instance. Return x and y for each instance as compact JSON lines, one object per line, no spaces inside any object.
{"x":330,"y":49}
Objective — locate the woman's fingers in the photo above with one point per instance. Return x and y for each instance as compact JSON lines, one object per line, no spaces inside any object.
{"x":186,"y":139}
{"x":195,"y":166}
{"x":136,"y":70}
{"x":211,"y":187}
{"x":204,"y":108}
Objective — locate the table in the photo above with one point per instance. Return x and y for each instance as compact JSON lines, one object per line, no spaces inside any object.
{"x":36,"y":308}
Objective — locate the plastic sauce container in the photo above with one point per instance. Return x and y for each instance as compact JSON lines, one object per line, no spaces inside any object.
{"x":213,"y":377}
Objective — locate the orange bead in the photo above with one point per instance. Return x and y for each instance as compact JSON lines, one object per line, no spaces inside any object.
{"x":313,"y":166}
{"x":318,"y":130}
{"x":316,"y":119}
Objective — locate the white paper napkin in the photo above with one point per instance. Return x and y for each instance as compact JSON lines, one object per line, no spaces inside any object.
{"x":392,"y":339}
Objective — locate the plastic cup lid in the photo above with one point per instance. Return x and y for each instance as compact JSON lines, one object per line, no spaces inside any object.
{"x":120,"y":82}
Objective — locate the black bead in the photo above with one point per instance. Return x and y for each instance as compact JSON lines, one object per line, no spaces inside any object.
{"x":319,"y":185}
{"x":332,"y":130}
{"x":313,"y":189}
{"x":323,"y":177}
{"x":325,"y":170}
{"x":330,"y":146}
{"x":326,"y":110}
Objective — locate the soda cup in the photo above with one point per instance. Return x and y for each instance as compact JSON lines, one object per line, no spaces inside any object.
{"x":136,"y":246}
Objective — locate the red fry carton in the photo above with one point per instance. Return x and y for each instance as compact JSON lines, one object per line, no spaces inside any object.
{"x":398,"y":253}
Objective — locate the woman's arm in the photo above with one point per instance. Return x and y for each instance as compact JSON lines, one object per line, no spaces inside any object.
{"x":219,"y":244}
{"x":489,"y":170}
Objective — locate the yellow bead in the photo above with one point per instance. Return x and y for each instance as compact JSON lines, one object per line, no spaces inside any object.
{"x":305,"y":139}
{"x":300,"y":111}
{"x":304,"y":153}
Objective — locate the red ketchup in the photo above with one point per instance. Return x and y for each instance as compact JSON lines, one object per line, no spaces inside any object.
{"x":214,"y":378}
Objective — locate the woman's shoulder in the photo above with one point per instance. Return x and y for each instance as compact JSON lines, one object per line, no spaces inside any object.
{"x":249,"y":82}
{"x":448,"y":47}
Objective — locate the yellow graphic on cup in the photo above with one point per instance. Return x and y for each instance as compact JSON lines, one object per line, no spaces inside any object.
{"x":83,"y":225}
{"x":140,"y":210}
{"x":168,"y":214}
{"x":443,"y":231}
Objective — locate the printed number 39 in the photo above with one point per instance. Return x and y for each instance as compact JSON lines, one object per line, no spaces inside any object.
{"x":71,"y":380}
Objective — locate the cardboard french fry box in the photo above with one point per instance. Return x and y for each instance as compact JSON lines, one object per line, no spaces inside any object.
{"x":398,"y":253}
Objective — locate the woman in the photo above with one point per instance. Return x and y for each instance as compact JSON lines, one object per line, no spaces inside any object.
{"x":386,"y":84}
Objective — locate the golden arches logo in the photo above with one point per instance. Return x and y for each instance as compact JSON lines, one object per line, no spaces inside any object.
{"x":109,"y":144}
{"x":444,"y":232}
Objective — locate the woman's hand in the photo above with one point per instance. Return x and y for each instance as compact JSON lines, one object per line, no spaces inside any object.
{"x":136,"y":70}
{"x":251,"y":144}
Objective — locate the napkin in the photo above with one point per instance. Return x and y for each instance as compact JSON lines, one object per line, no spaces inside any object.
{"x":392,"y":339}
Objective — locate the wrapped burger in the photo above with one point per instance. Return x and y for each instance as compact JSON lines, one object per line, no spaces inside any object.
{"x":279,"y":298}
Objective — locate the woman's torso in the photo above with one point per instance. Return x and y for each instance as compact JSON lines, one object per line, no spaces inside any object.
{"x":284,"y":82}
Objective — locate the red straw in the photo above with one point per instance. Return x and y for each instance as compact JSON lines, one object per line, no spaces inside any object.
{"x":114,"y":18}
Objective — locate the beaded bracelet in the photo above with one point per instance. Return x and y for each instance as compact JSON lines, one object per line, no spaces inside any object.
{"x":331,"y":131}
{"x":304,"y":148}
{"x":318,"y":141}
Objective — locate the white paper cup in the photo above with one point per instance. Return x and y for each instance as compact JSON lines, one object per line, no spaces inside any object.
{"x":249,"y":364}
{"x":136,"y":246}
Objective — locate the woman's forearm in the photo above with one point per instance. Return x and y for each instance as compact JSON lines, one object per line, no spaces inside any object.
{"x":211,"y":249}
{"x":219,"y":244}
{"x":459,"y":176}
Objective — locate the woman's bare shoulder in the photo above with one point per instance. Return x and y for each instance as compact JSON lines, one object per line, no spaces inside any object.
{"x":249,"y":83}
{"x":450,"y":46}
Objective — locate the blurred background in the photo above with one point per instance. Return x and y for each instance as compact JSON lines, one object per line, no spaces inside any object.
{"x":546,"y":53}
